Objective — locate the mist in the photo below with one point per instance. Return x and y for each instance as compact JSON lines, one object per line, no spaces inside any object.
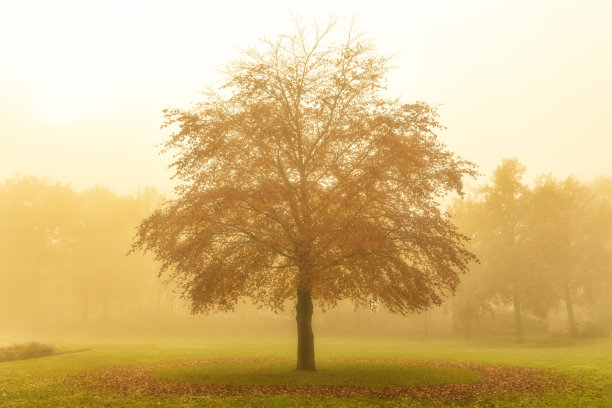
{"x":342,"y":204}
{"x":68,"y":273}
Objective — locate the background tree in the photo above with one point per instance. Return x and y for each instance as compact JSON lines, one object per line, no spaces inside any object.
{"x":570,"y":232}
{"x":300,"y":182}
{"x":498,"y":224}
{"x":476,"y":294}
{"x":555,"y":216}
{"x":62,"y":257}
{"x":600,"y":286}
{"x":35,"y":216}
{"x":539,"y":247}
{"x":504,"y":248}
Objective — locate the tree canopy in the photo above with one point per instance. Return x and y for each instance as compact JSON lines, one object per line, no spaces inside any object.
{"x":298,"y":177}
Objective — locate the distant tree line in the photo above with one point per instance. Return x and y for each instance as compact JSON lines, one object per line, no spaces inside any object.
{"x":545,"y":255}
{"x":63,"y":256}
{"x":542,"y":249}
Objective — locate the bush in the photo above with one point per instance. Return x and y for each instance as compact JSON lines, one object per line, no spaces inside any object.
{"x":592,"y":330}
{"x":25,"y":351}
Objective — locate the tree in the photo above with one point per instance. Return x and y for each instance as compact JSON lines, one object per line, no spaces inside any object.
{"x":62,"y":254}
{"x":506,"y":236}
{"x":496,"y":222}
{"x":300,"y":182}
{"x":600,"y":286}
{"x":570,"y":238}
{"x":476,"y":294}
{"x":35,"y":216}
{"x":556,"y":218}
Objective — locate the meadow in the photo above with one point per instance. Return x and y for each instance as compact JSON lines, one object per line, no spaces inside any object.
{"x":65,"y":380}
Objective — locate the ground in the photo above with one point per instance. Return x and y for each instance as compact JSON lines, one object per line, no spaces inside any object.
{"x":364,"y":372}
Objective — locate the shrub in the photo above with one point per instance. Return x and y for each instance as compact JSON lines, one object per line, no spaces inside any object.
{"x":592,"y":330}
{"x":25,"y":351}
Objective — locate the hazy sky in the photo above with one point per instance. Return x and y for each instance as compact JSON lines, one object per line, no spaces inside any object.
{"x":83,"y":84}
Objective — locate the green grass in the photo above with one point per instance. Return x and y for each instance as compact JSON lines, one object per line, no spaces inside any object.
{"x":49,"y":381}
{"x":375,"y":374}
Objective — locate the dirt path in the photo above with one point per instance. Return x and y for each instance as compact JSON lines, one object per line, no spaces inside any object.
{"x":499,"y":381}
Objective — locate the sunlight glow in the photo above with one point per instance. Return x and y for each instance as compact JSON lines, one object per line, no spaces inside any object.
{"x":57,"y":113}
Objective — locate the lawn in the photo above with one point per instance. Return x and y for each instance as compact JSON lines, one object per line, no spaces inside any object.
{"x":272,"y":372}
{"x":57,"y":380}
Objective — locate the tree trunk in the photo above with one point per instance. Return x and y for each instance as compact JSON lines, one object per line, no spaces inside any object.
{"x":85,"y":307}
{"x":305,"y":353}
{"x":518,"y":321}
{"x":573,"y":329}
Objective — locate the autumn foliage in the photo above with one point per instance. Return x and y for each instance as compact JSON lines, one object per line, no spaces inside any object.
{"x":300,"y":182}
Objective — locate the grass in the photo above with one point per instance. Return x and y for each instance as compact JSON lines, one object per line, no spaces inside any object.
{"x":50,"y":381}
{"x":375,"y":374}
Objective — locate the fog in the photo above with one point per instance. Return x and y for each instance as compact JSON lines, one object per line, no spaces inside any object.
{"x":306,"y":203}
{"x":81,"y":108}
{"x":82,"y":103}
{"x":66,"y":272}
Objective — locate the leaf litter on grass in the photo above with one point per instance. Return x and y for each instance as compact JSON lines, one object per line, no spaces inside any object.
{"x":498,"y":381}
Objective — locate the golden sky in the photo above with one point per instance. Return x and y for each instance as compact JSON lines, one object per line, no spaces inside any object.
{"x":83,"y":83}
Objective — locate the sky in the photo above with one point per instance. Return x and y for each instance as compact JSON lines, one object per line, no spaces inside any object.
{"x":83,"y":84}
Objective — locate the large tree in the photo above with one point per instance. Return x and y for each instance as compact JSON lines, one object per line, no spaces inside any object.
{"x":300,"y":182}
